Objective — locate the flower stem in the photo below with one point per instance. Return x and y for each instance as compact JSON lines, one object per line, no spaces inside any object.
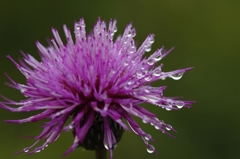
{"x":101,"y":154}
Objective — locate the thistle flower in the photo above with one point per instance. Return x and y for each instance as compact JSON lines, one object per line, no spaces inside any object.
{"x":98,"y":82}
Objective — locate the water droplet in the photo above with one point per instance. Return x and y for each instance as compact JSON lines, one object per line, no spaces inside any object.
{"x":158,"y":58}
{"x":132,"y":50}
{"x":78,"y":26}
{"x":148,"y":49}
{"x":83,"y":25}
{"x":134,"y":60}
{"x":151,"y":41}
{"x":180,"y":104}
{"x":108,"y":147}
{"x":130,"y":82}
{"x":37,"y":151}
{"x":168,"y":109}
{"x":23,"y":90}
{"x":150,"y":62}
{"x":146,"y":90}
{"x":145,"y":121}
{"x":156,"y":127}
{"x":163,"y":78}
{"x":151,"y":123}
{"x":177,"y":76}
{"x":149,"y":78}
{"x":129,"y":34}
{"x":146,"y":138}
{"x":46,"y":145}
{"x":26,"y":150}
{"x":157,"y":73}
{"x":169,"y":128}
{"x":70,"y":127}
{"x":139,"y":75}
{"x":150,"y":148}
{"x":125,"y":64}
{"x":115,"y":29}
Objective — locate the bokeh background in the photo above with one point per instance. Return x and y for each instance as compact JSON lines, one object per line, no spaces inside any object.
{"x":205,"y":34}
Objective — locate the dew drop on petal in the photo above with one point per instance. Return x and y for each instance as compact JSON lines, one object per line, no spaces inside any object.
{"x":148,"y":49}
{"x":146,"y":138}
{"x":157,"y":58}
{"x":144,"y":121}
{"x":177,"y":76}
{"x":26,"y":150}
{"x":132,"y":50}
{"x":180,"y":104}
{"x":125,"y":64}
{"x":157,"y":73}
{"x":139,"y":75}
{"x":106,"y":145}
{"x":169,"y":128}
{"x":156,"y":127}
{"x":149,"y":78}
{"x":146,"y":90}
{"x":78,"y":26}
{"x":115,"y":29}
{"x":150,"y":149}
{"x":151,"y":41}
{"x":163,"y":78}
{"x":168,"y":109}
{"x":130,"y":82}
{"x":150,"y":62}
{"x":129,"y":34}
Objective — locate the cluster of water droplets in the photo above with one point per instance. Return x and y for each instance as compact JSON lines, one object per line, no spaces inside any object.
{"x":173,"y":105}
{"x":37,"y":150}
{"x":148,"y":44}
{"x":150,"y":148}
{"x":80,"y":30}
{"x":147,"y":120}
{"x":155,"y":57}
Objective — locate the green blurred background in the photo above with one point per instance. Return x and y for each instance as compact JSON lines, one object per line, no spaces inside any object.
{"x":205,"y":34}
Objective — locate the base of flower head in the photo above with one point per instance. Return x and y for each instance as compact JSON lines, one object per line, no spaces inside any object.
{"x":94,"y":139}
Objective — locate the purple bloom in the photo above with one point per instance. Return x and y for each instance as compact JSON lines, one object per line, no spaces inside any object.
{"x":98,"y":82}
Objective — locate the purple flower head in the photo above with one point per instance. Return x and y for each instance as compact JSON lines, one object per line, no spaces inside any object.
{"x":98,"y":82}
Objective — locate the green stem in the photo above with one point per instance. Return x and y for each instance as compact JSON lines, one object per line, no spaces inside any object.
{"x":101,"y":154}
